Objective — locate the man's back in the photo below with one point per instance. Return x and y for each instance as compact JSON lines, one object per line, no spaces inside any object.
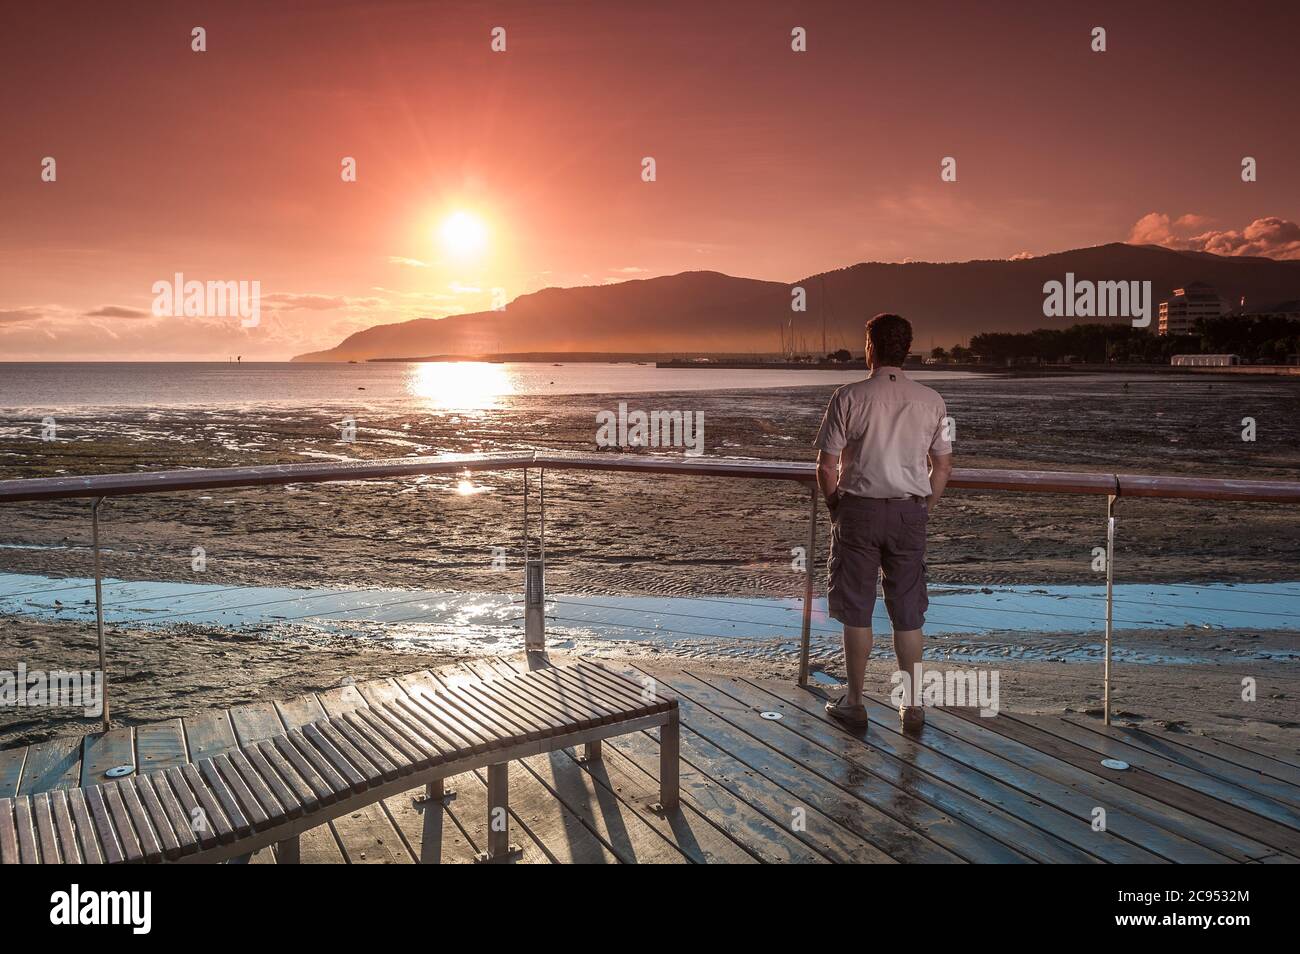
{"x":886,"y":426}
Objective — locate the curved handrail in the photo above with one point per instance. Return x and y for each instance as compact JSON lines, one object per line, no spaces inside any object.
{"x":1024,"y":481}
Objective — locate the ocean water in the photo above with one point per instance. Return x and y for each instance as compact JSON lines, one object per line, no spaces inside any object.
{"x":463,"y":385}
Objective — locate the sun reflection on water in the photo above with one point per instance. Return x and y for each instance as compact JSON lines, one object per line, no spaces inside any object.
{"x":460,"y":385}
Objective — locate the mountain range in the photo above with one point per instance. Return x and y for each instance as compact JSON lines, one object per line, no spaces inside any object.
{"x":710,"y":313}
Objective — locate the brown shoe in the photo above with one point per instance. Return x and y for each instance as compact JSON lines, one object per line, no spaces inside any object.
{"x":911,"y":717}
{"x":855,"y":716}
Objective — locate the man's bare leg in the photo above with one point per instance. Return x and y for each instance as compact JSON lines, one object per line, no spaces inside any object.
{"x":907,"y":649}
{"x":857,"y":650}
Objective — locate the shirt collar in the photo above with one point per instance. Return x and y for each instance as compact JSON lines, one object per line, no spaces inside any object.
{"x":884,"y":369}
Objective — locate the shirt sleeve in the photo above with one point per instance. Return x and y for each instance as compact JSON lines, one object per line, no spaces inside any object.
{"x":831,"y":436}
{"x":940,"y":445}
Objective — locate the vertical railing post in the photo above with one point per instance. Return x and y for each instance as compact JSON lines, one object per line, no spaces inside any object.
{"x":1110,"y":597}
{"x":810,"y":559}
{"x":99,"y":608}
{"x":535,"y":578}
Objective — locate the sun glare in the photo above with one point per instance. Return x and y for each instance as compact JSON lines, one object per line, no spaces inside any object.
{"x":463,"y":234}
{"x":459,"y":385}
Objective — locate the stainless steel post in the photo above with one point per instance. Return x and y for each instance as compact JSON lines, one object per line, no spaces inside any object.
{"x":535,"y":579}
{"x":810,"y":559}
{"x":99,"y":608}
{"x":1110,"y":594}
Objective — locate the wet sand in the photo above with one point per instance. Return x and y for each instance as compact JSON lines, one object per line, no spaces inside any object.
{"x":612,"y":533}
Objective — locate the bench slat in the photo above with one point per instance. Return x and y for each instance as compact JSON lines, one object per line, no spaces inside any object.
{"x":627,"y":689}
{"x":63,"y":823}
{"x":461,"y":737}
{"x":424,"y":723}
{"x":162,"y":826}
{"x":151,"y":845}
{"x":8,"y":832}
{"x":303,"y":791}
{"x":173,"y":825}
{"x":529,"y":725}
{"x":588,"y":714}
{"x":341,"y":774}
{"x":372,"y":773}
{"x":315,"y":738}
{"x":575,"y":695}
{"x":622,"y":691}
{"x":583,"y":717}
{"x":550,"y":721}
{"x":235,"y":784}
{"x":571,"y":700}
{"x":87,"y":837}
{"x":28,"y":852}
{"x":384,"y":756}
{"x":46,"y":837}
{"x":420,"y":751}
{"x":126,"y":835}
{"x":291,"y":804}
{"x":614,"y":701}
{"x":666,"y":699}
{"x":321,"y":788}
{"x":208,"y":779}
{"x":512,"y":726}
{"x":270,"y":808}
{"x":456,"y":706}
{"x":207,"y":822}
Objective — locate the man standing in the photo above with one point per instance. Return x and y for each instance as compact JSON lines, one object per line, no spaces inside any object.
{"x":883,"y":460}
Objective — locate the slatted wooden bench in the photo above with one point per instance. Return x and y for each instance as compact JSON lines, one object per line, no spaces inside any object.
{"x":269,"y":792}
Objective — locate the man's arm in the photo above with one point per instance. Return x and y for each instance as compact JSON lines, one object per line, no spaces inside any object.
{"x":828,"y":477}
{"x":940,"y":471}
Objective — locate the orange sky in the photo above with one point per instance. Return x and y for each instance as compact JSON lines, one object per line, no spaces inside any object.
{"x":224,"y":165}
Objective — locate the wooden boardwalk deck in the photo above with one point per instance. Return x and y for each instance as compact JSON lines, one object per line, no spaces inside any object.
{"x":1013,"y":788}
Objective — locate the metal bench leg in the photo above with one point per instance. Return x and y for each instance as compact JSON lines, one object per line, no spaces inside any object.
{"x":286,"y":852}
{"x":669,"y":756}
{"x":499,"y":846}
{"x":434,"y":792}
{"x":591,"y":751}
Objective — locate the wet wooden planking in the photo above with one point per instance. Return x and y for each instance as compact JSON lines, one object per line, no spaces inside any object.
{"x":160,"y":745}
{"x":53,"y":764}
{"x":1011,"y":787}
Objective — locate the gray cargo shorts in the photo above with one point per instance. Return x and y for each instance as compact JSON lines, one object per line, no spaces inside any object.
{"x":870,"y":538}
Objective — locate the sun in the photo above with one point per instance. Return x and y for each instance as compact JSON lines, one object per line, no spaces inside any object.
{"x":463,"y":234}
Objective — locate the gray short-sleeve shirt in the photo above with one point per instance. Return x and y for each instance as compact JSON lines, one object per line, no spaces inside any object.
{"x":884,"y":428}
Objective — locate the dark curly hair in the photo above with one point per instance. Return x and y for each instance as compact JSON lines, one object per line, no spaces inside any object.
{"x":891,"y":338}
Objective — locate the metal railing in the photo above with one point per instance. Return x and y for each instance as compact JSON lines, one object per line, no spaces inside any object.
{"x":1112,"y":486}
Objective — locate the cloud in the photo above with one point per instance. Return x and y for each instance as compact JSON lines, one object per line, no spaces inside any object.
{"x":1020,"y":256}
{"x":630,"y":270}
{"x":409,"y":262}
{"x":1269,"y":237}
{"x":117,"y":311}
{"x":30,"y":313}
